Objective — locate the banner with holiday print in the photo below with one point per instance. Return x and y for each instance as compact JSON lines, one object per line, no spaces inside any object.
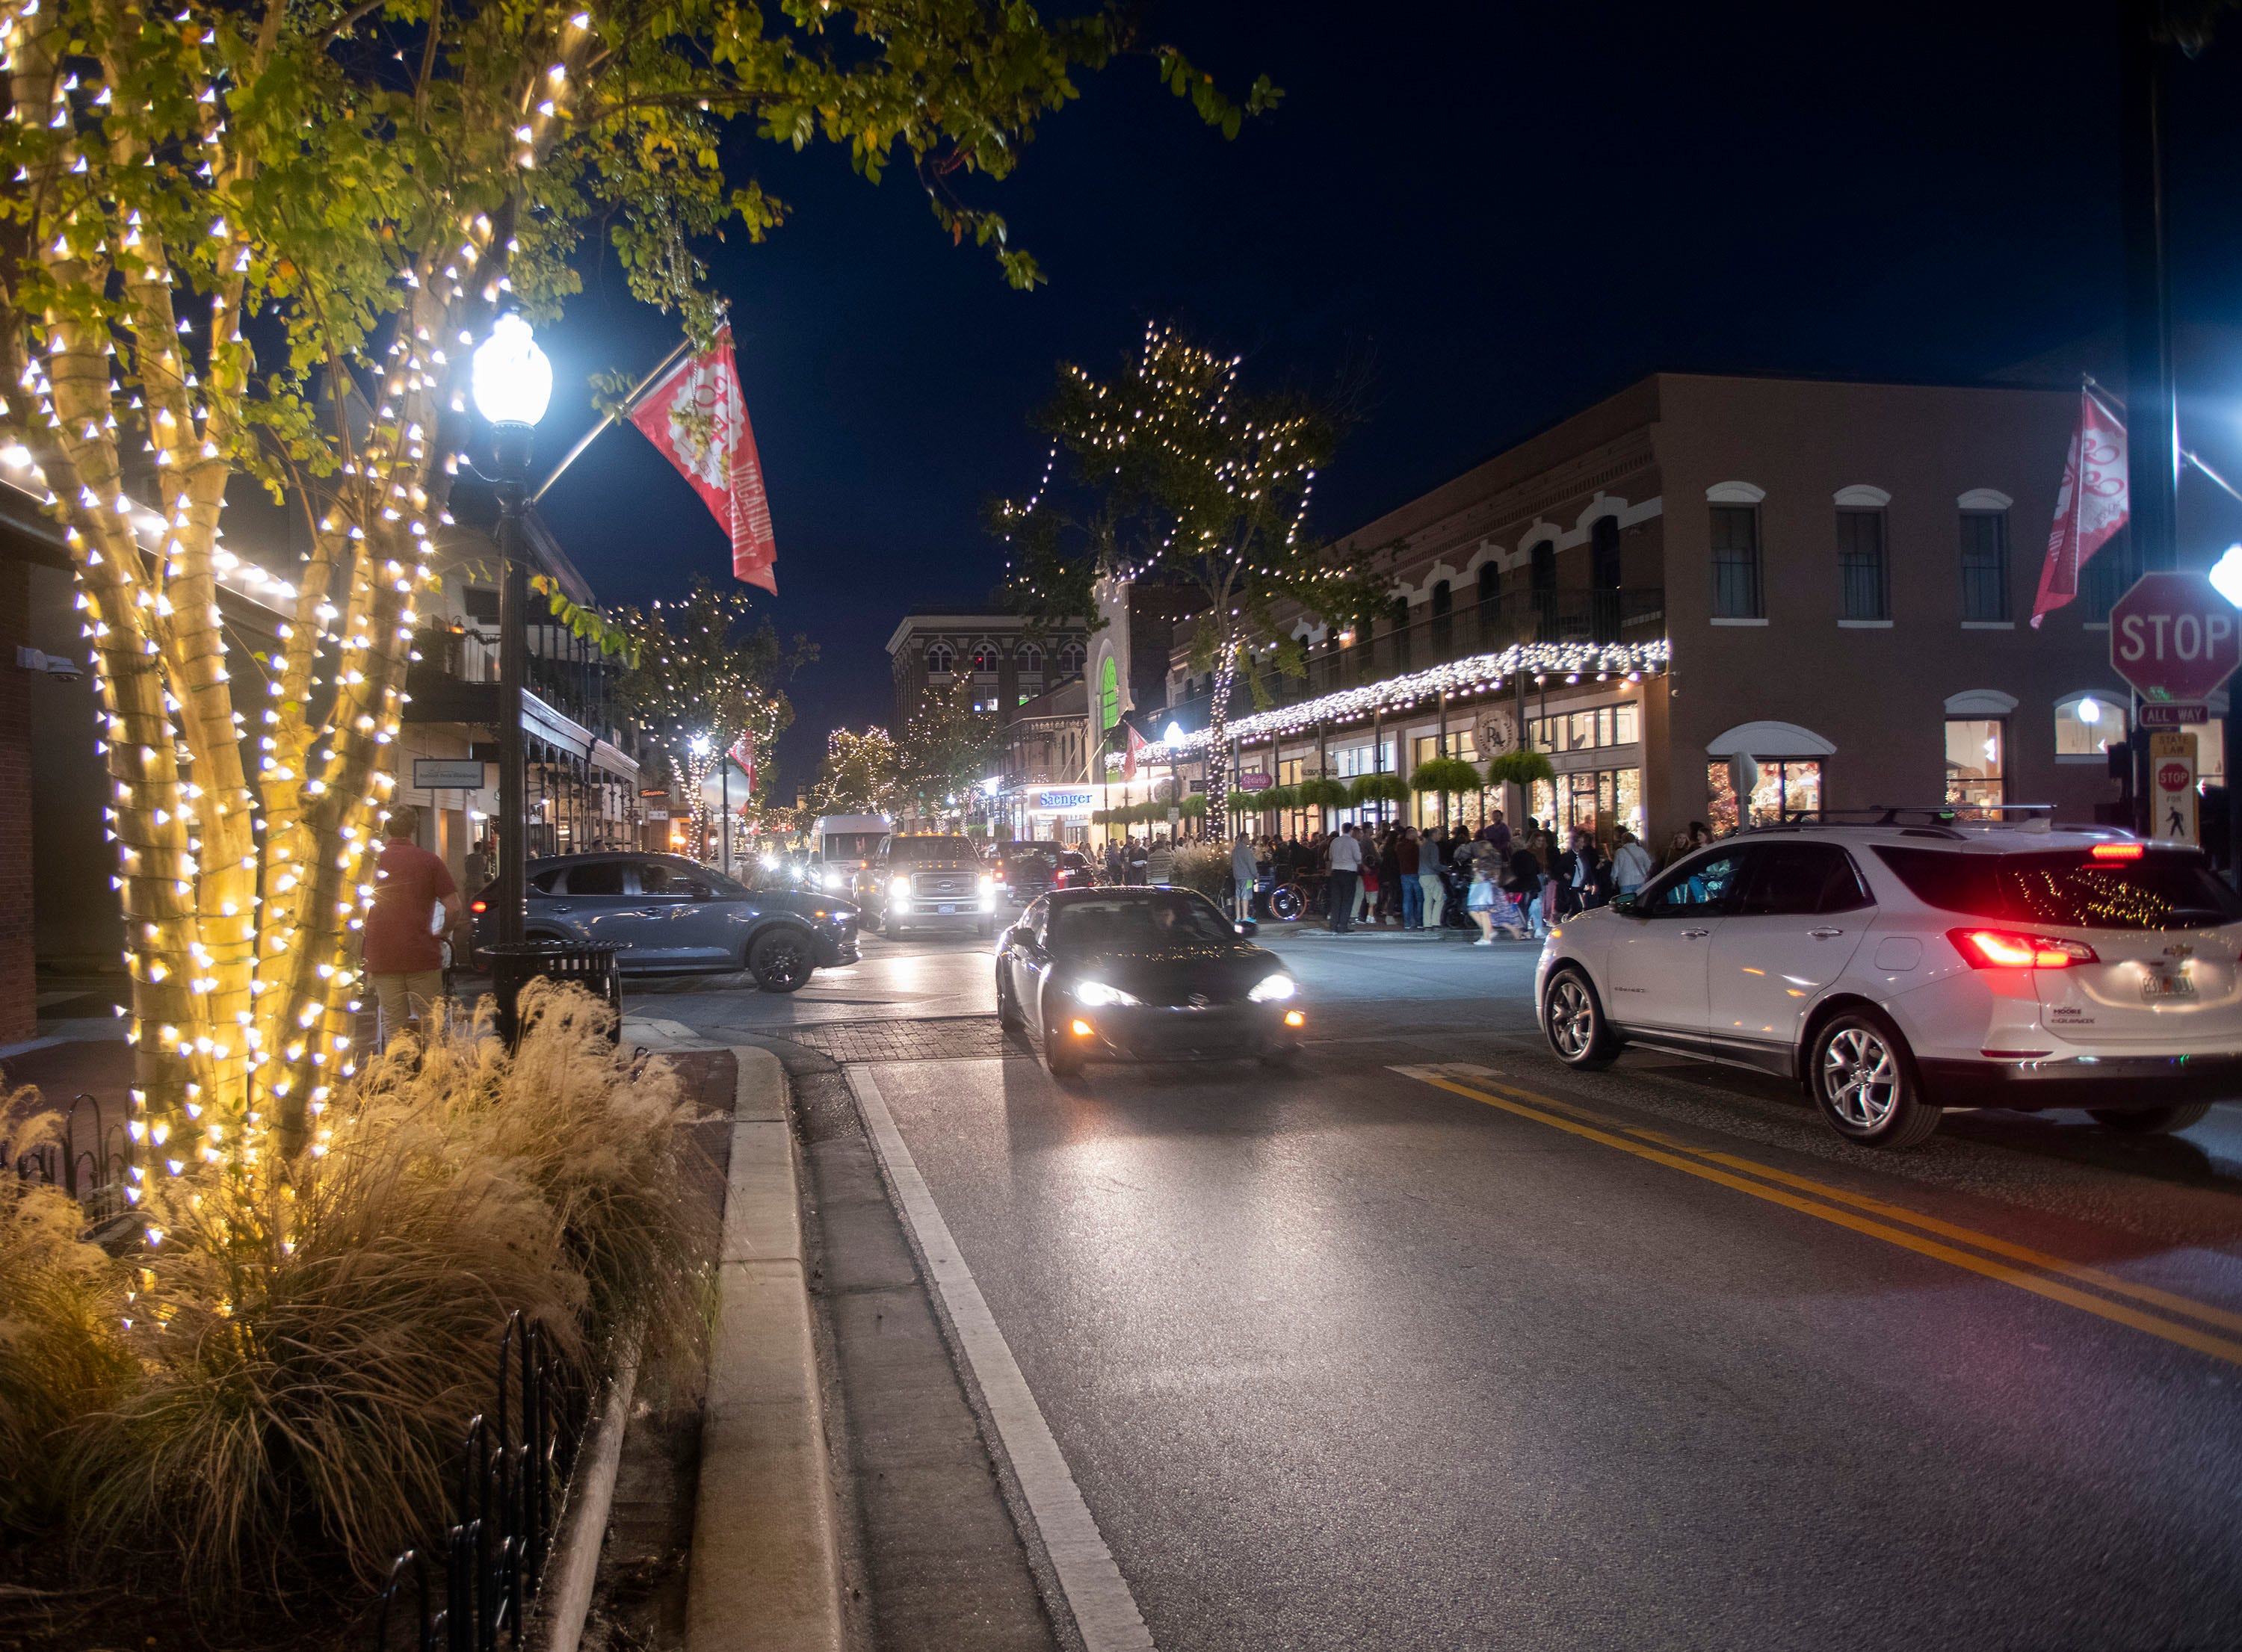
{"x":1129,"y":764}
{"x":696,"y":417}
{"x":743,"y":754}
{"x":2092,"y":504}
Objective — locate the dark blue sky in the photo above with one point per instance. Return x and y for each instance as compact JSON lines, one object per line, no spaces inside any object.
{"x":1506,"y":214}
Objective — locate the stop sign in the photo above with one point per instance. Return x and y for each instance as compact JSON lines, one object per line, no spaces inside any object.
{"x":2173,"y":637}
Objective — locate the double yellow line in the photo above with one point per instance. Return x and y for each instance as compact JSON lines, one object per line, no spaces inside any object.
{"x":2018,"y":1265}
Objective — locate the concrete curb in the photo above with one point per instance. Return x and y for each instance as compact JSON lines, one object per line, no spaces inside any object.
{"x":766,"y":1570}
{"x":564,"y":1597}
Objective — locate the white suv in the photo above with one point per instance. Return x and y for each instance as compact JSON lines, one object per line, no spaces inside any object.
{"x":1898,"y":969}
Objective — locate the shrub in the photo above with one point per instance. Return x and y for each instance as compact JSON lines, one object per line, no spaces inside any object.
{"x":1322,"y":793}
{"x":1370,"y":790}
{"x":297,"y":1360}
{"x":1205,"y":867}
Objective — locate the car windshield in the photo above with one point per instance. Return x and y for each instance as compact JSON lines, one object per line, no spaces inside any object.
{"x":852,"y":846}
{"x":932,"y":849}
{"x":695,"y":883}
{"x":2070,"y":889}
{"x":1138,"y":922}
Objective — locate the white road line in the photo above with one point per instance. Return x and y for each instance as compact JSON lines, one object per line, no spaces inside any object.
{"x":1097,"y":1596}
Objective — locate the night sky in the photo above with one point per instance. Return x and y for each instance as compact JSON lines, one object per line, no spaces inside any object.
{"x":1504,"y":216}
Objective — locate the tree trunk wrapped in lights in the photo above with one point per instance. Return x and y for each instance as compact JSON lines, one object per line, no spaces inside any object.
{"x":1194,"y":485}
{"x":227,"y":225}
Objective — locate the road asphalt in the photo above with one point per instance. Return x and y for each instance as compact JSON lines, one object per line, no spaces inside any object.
{"x":1432,"y":1343}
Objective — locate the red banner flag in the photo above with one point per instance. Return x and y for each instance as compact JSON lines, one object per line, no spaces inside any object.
{"x":2094,"y":503}
{"x":696,"y":417}
{"x":1128,"y":763}
{"x":743,"y":754}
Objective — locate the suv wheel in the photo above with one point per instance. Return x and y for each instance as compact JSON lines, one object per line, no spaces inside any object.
{"x":1861,"y":1075}
{"x":782,"y":961}
{"x":2151,"y":1122}
{"x":1572,"y":1020}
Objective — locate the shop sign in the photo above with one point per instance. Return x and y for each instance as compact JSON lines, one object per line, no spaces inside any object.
{"x":1254,"y":781}
{"x":449,"y":774}
{"x":1063,"y":799}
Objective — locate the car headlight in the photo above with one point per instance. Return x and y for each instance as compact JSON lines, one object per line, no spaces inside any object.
{"x":900,"y":889}
{"x":834,"y":880}
{"x":988,"y":884}
{"x":1098,"y":995}
{"x":1273,"y":989}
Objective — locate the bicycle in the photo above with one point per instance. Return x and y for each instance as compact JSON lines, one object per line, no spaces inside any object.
{"x":1290,"y":902}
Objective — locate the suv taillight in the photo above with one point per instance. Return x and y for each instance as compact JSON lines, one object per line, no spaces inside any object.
{"x":2009,"y":949}
{"x":479,"y":906}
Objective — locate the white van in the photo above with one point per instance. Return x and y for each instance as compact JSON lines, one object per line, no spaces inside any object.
{"x":844,"y":845}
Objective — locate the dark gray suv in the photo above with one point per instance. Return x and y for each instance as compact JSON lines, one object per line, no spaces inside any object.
{"x":664,"y":913}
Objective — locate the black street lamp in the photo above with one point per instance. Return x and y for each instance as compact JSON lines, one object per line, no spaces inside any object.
{"x":512,"y":384}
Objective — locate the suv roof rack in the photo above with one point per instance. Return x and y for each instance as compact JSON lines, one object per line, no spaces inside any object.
{"x":1922,"y":820}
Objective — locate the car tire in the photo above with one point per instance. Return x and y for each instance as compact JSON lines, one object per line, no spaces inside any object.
{"x":781,"y":959}
{"x":1572,"y":1020}
{"x":1008,"y":1006}
{"x":1063,"y":1058}
{"x":1862,"y":1076}
{"x":2150,"y":1122}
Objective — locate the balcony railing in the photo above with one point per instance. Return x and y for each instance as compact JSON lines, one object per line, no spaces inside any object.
{"x":1633,"y":615}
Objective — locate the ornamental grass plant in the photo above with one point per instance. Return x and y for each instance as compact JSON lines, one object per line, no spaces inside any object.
{"x":268,"y":1404}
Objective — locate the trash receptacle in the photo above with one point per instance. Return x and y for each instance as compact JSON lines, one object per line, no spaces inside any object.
{"x":514,"y":964}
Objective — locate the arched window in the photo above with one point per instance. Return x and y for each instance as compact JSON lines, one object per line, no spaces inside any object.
{"x":985,"y":656}
{"x":1397,"y":628}
{"x":2087,"y":723}
{"x":1604,"y":579}
{"x":1444,"y":608}
{"x":1069,"y":660}
{"x":1490,"y":592}
{"x":1109,"y":693}
{"x":1029,"y":657}
{"x":1541,"y":564}
{"x":939,"y":659}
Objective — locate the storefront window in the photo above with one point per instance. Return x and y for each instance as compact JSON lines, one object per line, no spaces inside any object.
{"x":1975,"y":769}
{"x":2087,"y":725}
{"x":1599,"y":799}
{"x":1783,"y":789}
{"x":1627,"y":723}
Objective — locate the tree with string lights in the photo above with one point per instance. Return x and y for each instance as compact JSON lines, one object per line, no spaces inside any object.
{"x":710,"y":674}
{"x":946,"y":750}
{"x":256,"y":241}
{"x":858,"y":775}
{"x":1195,"y":483}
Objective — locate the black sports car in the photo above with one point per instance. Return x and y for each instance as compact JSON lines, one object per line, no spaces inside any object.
{"x":1153,"y":974}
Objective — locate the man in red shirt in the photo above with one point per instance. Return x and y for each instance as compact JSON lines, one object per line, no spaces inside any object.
{"x":404,"y":960}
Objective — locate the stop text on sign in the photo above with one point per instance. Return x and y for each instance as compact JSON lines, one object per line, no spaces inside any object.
{"x":2153,"y":639}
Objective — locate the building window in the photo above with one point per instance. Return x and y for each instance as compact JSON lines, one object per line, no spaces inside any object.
{"x":1736,"y":562}
{"x":1069,"y":660}
{"x":1490,"y":591}
{"x":1028,"y":656}
{"x":939,"y":659}
{"x":1597,"y":800}
{"x":984,"y":656}
{"x":1785,"y":787}
{"x":1976,"y":771}
{"x":2107,"y":576}
{"x":1444,"y":608}
{"x":1541,"y":572}
{"x":1985,"y":564}
{"x":1109,"y":694}
{"x":1860,"y":566}
{"x":2086,"y":725}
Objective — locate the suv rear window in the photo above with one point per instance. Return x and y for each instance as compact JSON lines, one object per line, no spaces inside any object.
{"x":932,"y":849}
{"x":2068,"y":889}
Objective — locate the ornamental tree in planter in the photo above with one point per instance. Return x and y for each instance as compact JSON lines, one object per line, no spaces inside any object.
{"x":1377,"y":790}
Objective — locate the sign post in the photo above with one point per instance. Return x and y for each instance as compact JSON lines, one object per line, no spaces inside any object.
{"x":2175,"y":640}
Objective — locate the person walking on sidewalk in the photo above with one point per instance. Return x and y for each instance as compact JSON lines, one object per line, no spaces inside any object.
{"x":415,"y":902}
{"x":1433,"y":881}
{"x":1524,"y":887}
{"x":1346,"y":872}
{"x":1245,"y":873}
{"x":1407,"y":851}
{"x":1631,"y":865}
{"x":1160,"y":863}
{"x":1480,"y":901}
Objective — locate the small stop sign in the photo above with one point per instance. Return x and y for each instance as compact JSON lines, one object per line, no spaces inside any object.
{"x":2173,"y":637}
{"x":2174,"y":777}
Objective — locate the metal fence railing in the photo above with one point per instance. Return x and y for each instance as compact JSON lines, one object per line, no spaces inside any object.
{"x":514,"y":1471}
{"x":91,"y":1160}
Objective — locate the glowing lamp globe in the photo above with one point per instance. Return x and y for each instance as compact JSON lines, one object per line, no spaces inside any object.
{"x":699,"y":746}
{"x":512,"y":380}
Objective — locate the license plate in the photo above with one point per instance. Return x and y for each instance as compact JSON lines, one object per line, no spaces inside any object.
{"x":945,"y":910}
{"x":2167,"y":987}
